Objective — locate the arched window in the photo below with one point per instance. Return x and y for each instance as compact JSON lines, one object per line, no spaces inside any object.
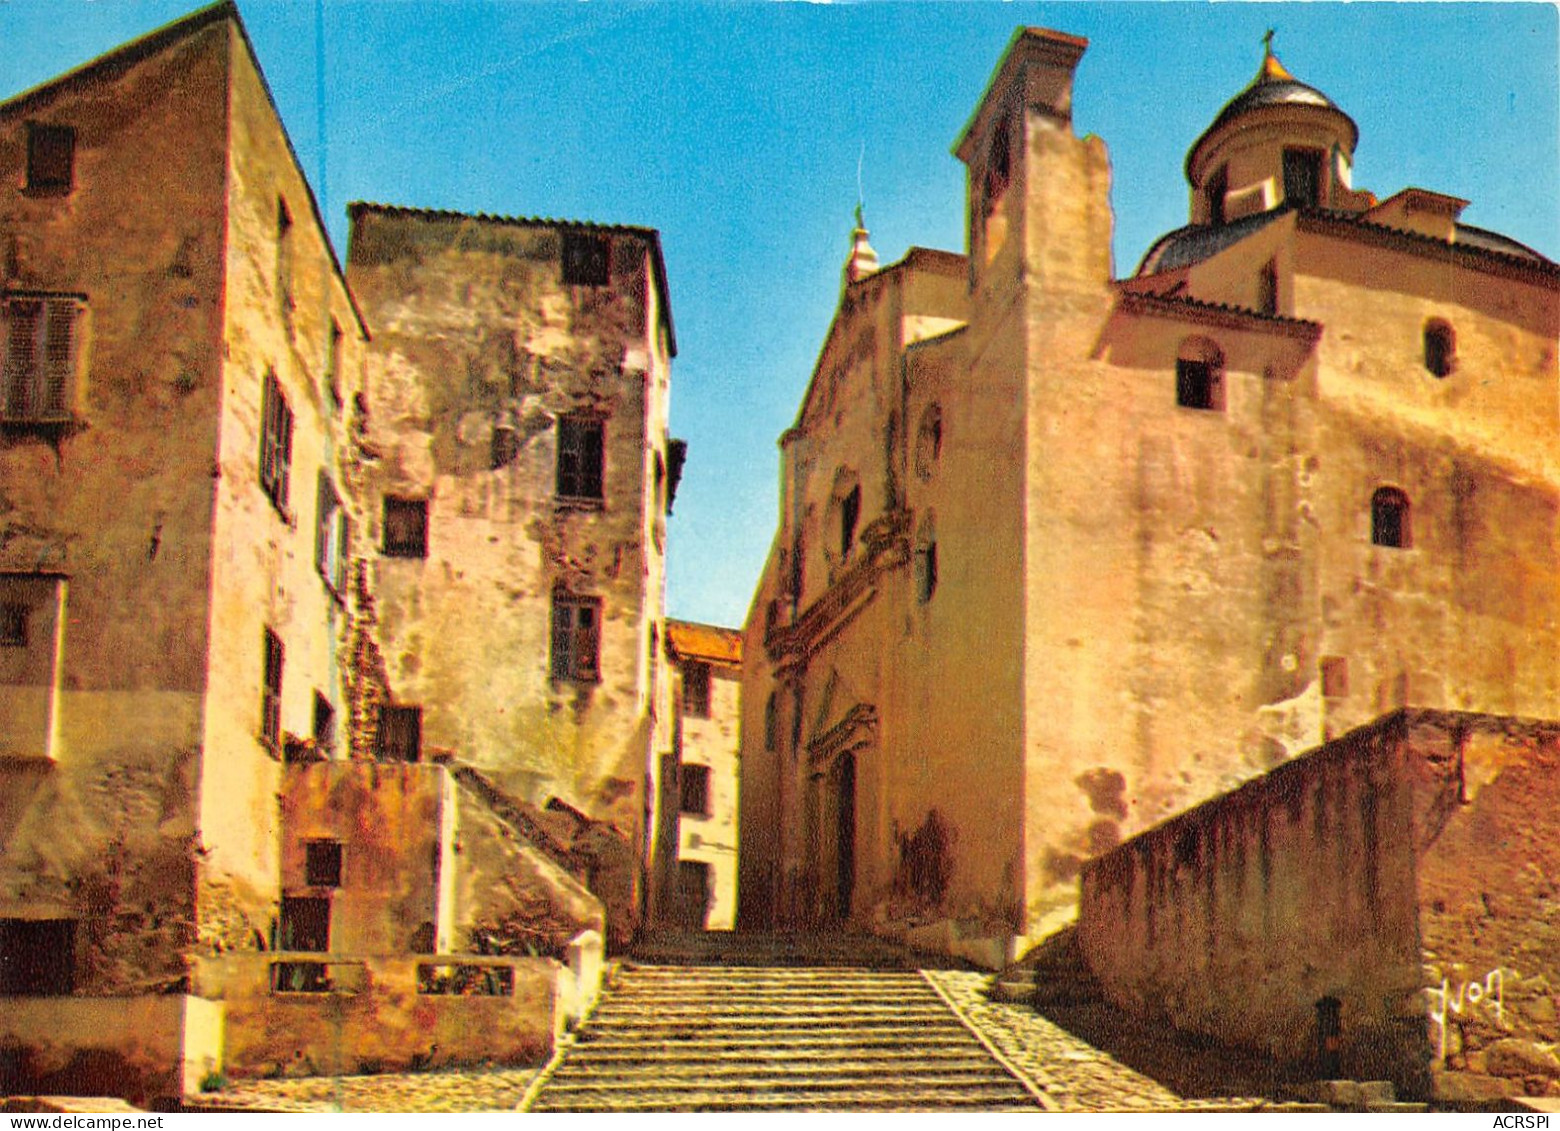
{"x":850,"y":515}
{"x":928,"y":441}
{"x":926,"y":560}
{"x":1389,"y":519}
{"x":1199,"y":375}
{"x":1440,"y":347}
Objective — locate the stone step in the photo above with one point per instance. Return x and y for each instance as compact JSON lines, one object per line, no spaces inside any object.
{"x":890,"y":1055}
{"x":758,"y":1041}
{"x":887,"y":1096}
{"x":770,"y":1076}
{"x":725,"y":1029}
{"x":783,"y":1012}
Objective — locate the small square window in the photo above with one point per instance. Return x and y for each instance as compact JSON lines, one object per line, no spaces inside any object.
{"x":406,"y":528}
{"x":696,"y":689}
{"x":576,"y":638}
{"x":322,"y":863}
{"x":400,"y":733}
{"x":587,"y":260}
{"x":13,"y":626}
{"x":580,"y":456}
{"x":696,"y":790}
{"x":51,"y":157}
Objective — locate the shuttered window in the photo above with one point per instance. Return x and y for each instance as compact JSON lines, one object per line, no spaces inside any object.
{"x":276,"y":430}
{"x":40,"y":358}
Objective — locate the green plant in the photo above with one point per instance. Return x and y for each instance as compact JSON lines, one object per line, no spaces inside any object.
{"x":213,"y":1081}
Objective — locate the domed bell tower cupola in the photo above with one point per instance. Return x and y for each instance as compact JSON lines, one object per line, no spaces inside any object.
{"x":1278,"y":142}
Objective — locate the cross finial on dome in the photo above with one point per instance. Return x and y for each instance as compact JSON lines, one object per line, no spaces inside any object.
{"x":1272,"y":70}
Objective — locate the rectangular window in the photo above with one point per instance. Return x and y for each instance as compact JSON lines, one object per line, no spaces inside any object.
{"x":13,"y":626}
{"x":332,"y":529}
{"x":1197,"y":385}
{"x":696,"y":689}
{"x":305,"y":923}
{"x":696,"y":790}
{"x":400,"y":734}
{"x":322,"y":863}
{"x":406,"y":528}
{"x":276,"y":429}
{"x":324,"y":725}
{"x":271,"y":696}
{"x":51,"y":157}
{"x":284,"y":296}
{"x":37,"y":957}
{"x":1303,"y":178}
{"x":333,"y":363}
{"x":587,"y":260}
{"x":576,"y":638}
{"x":580,"y":456}
{"x":40,"y":358}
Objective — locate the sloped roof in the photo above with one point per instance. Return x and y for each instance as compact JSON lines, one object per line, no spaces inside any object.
{"x":689,"y":640}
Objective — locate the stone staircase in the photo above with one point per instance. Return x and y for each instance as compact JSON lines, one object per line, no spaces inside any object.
{"x":775,"y":1038}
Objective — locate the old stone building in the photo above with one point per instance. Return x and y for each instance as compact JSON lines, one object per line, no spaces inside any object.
{"x":707,"y":692}
{"x":519,"y":481}
{"x":1062,"y":554}
{"x":329,"y":680}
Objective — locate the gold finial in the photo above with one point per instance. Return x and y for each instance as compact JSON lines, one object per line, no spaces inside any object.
{"x":1272,"y":70}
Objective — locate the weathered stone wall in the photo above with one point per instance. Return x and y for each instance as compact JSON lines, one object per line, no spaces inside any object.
{"x":1235,"y":919}
{"x":376,"y":1018}
{"x":474,"y":331}
{"x":1489,"y":904}
{"x":284,"y":293}
{"x":117,"y":503}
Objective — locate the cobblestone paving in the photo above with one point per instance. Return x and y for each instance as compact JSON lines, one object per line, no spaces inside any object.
{"x":1073,"y":1074}
{"x":410,"y":1091}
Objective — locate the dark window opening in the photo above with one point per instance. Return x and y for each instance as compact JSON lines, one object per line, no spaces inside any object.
{"x":1440,"y":347}
{"x":999,"y":166}
{"x":1267,"y":288}
{"x":322,"y":863}
{"x":37,"y":957}
{"x":13,"y":626}
{"x":587,"y":260}
{"x":1389,"y":519}
{"x":332,"y":529}
{"x":324,"y":724}
{"x":466,"y":980}
{"x":1335,"y":677}
{"x":300,"y":978}
{"x":1199,"y":385}
{"x":850,"y":514}
{"x":696,"y":790}
{"x":406,"y":528}
{"x":1303,"y":177}
{"x":284,"y":296}
{"x":771,"y":722}
{"x":400,"y":733}
{"x":794,"y":574}
{"x":1218,"y":189}
{"x":580,"y":456}
{"x":271,"y":696}
{"x":692,"y":896}
{"x":576,"y":638}
{"x":928,"y":442}
{"x":926,"y":572}
{"x":276,"y":429}
{"x":505,"y":444}
{"x":696,"y":689}
{"x":40,"y":358}
{"x":305,"y":923}
{"x":51,"y":157}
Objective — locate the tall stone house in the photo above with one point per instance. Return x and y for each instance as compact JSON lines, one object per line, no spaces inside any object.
{"x":331,"y":626}
{"x":1060,"y":554}
{"x":707,"y":696}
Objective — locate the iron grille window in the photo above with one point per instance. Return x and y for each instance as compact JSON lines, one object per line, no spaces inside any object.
{"x":406,"y":527}
{"x":271,"y":696}
{"x":13,"y":626}
{"x":576,"y":638}
{"x":276,"y":429}
{"x":696,"y":790}
{"x":322,"y":863}
{"x":696,"y":689}
{"x":40,"y":358}
{"x":580,"y":456}
{"x":51,"y":157}
{"x":400,"y":733}
{"x":587,"y":260}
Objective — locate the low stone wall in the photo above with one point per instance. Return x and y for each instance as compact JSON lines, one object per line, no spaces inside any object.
{"x":137,"y":1048}
{"x":1253,"y":918}
{"x":314,"y":1014}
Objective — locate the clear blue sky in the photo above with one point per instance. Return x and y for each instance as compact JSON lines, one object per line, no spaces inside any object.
{"x":735,"y":129}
